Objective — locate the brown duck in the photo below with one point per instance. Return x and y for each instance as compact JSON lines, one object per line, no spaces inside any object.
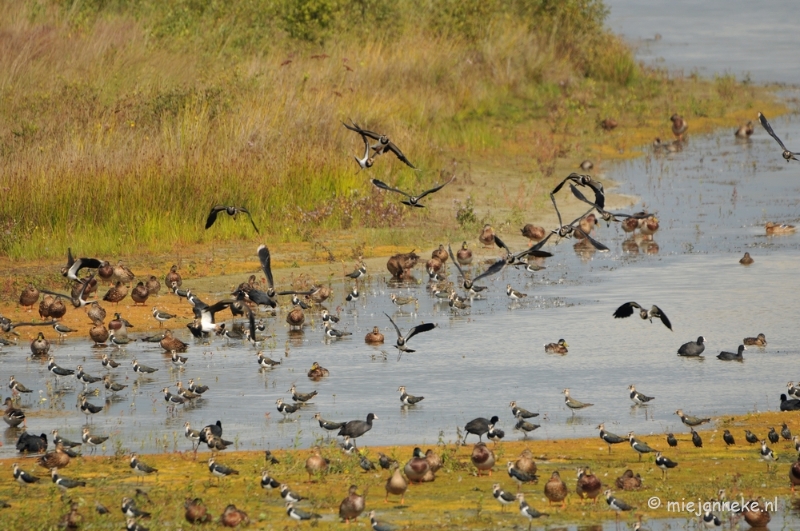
{"x":374,"y":338}
{"x":525,"y":463}
{"x":57,"y":309}
{"x":99,"y":334}
{"x":40,"y":346}
{"x":169,"y":343}
{"x":679,"y":126}
{"x":317,"y":371}
{"x":116,"y":293}
{"x":556,"y":490}
{"x":58,"y":458}
{"x":794,"y":474}
{"x":433,"y":266}
{"x":434,"y":461}
{"x":482,"y":457}
{"x":196,"y":512}
{"x":139,"y":294}
{"x":440,"y":254}
{"x":352,"y":506}
{"x":173,"y":277}
{"x":232,"y":517}
{"x":96,"y":313}
{"x":396,"y":485}
{"x":44,"y":306}
{"x":296,"y":317}
{"x":77,"y":287}
{"x":588,"y":485}
{"x":416,"y":467}
{"x":122,"y":273}
{"x":319,"y":294}
{"x":627,"y":481}
{"x":153,"y":286}
{"x":400,"y":265}
{"x":29,"y":297}
{"x":13,"y":416}
{"x":486,"y":237}
{"x":755,"y":514}
{"x":316,"y":464}
{"x":464,"y":255}
{"x":533,"y":233}
{"x":105,"y":271}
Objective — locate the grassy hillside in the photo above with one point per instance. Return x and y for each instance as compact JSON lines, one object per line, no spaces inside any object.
{"x":122,"y":122}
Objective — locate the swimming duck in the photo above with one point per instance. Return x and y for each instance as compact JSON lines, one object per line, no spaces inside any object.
{"x":433,"y":267}
{"x":588,"y":485}
{"x":482,"y":458}
{"x":679,"y":126}
{"x":296,"y":317}
{"x":140,"y":293}
{"x":13,"y":416}
{"x":556,"y":490}
{"x":556,"y":348}
{"x":352,"y":506}
{"x":627,"y":481}
{"x":730,"y":356}
{"x":758,"y":341}
{"x":375,"y":337}
{"x":40,"y":346}
{"x":744,"y":130}
{"x":29,"y":297}
{"x":315,"y":463}
{"x":170,"y":343}
{"x":416,"y":467}
{"x":649,"y":225}
{"x":775,"y":228}
{"x":755,"y":515}
{"x":746,"y":259}
{"x":116,"y":293}
{"x":317,"y":371}
{"x":486,"y":237}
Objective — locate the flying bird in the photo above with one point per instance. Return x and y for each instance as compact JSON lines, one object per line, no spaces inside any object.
{"x":626,"y":310}
{"x":402,"y":340}
{"x":382,"y":146}
{"x":788,"y":155}
{"x":73,"y":266}
{"x":413,"y":200}
{"x":231,"y":211}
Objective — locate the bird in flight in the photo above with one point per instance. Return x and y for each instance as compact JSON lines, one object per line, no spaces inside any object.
{"x":231,"y":211}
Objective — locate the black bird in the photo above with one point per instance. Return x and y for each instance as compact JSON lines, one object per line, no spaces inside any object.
{"x":565,"y":231}
{"x":73,"y":266}
{"x":773,"y":436}
{"x":34,"y":444}
{"x":215,"y":430}
{"x":692,"y":348}
{"x":671,"y":440}
{"x":357,"y":428}
{"x":609,"y":437}
{"x":231,"y":211}
{"x":383,"y":145}
{"x":518,"y":258}
{"x":785,"y":432}
{"x":479,"y":427}
{"x":626,"y":310}
{"x":789,"y":405}
{"x":582,"y":180}
{"x":696,"y":440}
{"x":402,"y":340}
{"x":728,"y":438}
{"x":730,"y":356}
{"x":607,"y":216}
{"x":664,"y":463}
{"x":519,"y":412}
{"x":750,"y":437}
{"x":788,"y":155}
{"x":413,"y":200}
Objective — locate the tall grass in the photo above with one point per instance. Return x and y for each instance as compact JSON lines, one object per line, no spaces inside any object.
{"x":122,"y":123}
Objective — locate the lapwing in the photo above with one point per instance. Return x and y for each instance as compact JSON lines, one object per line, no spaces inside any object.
{"x":108,"y":363}
{"x":92,"y":440}
{"x":359,"y":272}
{"x":65,"y":483}
{"x":639,"y":446}
{"x":525,"y":426}
{"x":690,"y":420}
{"x":767,"y":455}
{"x":141,"y":469}
{"x":286,"y":409}
{"x":142,"y":369}
{"x":616,"y":504}
{"x":664,"y":463}
{"x":407,"y":399}
{"x":710,"y":520}
{"x":232,"y":211}
{"x":66,"y":443}
{"x":130,"y":510}
{"x":197,"y":389}
{"x":347,"y":445}
{"x":353,"y":295}
{"x":513,"y":294}
{"x":503,"y":497}
{"x":289,"y":495}
{"x":402,"y":340}
{"x":56,"y":370}
{"x":298,"y":514}
{"x":88,"y":408}
{"x":412,"y":200}
{"x":527,"y":511}
{"x":519,"y":476}
{"x":519,"y":412}
{"x":609,"y":437}
{"x":377,"y":526}
{"x":162,"y":317}
{"x":268,"y":482}
{"x":16,"y":387}
{"x":574,"y":404}
{"x":627,"y":309}
{"x":22,"y":477}
{"x":220,"y":471}
{"x":788,"y":155}
{"x":637,"y":397}
{"x":327,"y":424}
{"x":112,"y":386}
{"x":74,"y":266}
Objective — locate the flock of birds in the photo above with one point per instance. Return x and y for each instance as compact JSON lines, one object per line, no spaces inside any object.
{"x":250,"y":298}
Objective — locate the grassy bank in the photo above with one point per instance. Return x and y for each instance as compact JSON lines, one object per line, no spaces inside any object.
{"x":457,"y":499}
{"x":121,"y":123}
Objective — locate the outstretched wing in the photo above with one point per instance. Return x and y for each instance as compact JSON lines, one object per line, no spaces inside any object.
{"x":436,"y":189}
{"x":561,"y":184}
{"x":394,"y":149}
{"x":70,"y":259}
{"x":425,"y":327}
{"x":264,"y":258}
{"x":382,"y":185}
{"x":494,"y":268}
{"x":249,"y":215}
{"x":500,"y":244}
{"x":662,"y":316}
{"x":454,"y":261}
{"x":55,"y":294}
{"x":626,"y":310}
{"x":394,"y":325}
{"x":212,"y":216}
{"x":597,"y":245}
{"x":355,"y":127}
{"x":765,"y":123}
{"x":599,"y":193}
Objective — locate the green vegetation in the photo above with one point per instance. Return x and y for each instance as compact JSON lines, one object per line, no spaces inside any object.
{"x":122,"y":122}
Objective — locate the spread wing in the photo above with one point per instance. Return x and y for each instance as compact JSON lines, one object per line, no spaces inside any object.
{"x":363,"y":132}
{"x":70,"y":259}
{"x":249,"y":215}
{"x":626,"y":310}
{"x":436,"y":189}
{"x":264,"y":258}
{"x":212,"y":216}
{"x":765,"y":123}
{"x":597,"y":245}
{"x":425,"y":327}
{"x":393,"y":324}
{"x":500,"y":244}
{"x":663,"y":317}
{"x":454,"y":261}
{"x":494,"y":268}
{"x":394,"y":149}
{"x":382,"y":185}
{"x":561,"y":184}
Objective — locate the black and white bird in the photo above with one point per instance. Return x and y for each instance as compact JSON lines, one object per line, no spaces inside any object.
{"x":328,"y":316}
{"x":788,"y":155}
{"x":286,"y":409}
{"x":689,"y":420}
{"x":527,"y":511}
{"x":220,"y":471}
{"x":377,"y":526}
{"x":710,"y":520}
{"x":92,"y":440}
{"x":331,"y":332}
{"x":767,"y":455}
{"x":298,"y":514}
{"x":85,"y":378}
{"x":56,"y":370}
{"x":22,"y":477}
{"x":382,"y":146}
{"x":664,"y":463}
{"x":88,"y":408}
{"x":495,"y":433}
{"x":573,"y":404}
{"x":301,"y":397}
{"x":161,"y":317}
{"x":16,"y":387}
{"x":519,"y":476}
{"x":616,"y":504}
{"x":268,"y":482}
{"x":289,"y":495}
{"x":142,"y":369}
{"x":353,"y":295}
{"x":139,"y":468}
{"x":407,"y":399}
{"x":519,"y":412}
{"x":609,"y":437}
{"x":66,"y":443}
{"x":637,"y":397}
{"x":402,"y":340}
{"x":525,"y":426}
{"x":327,"y":424}
{"x":73,"y":266}
{"x":513,"y":294}
{"x":65,"y":483}
{"x":503,"y":497}
{"x":172,"y":400}
{"x":639,"y":446}
{"x":359,"y":272}
{"x":191,"y":434}
{"x":626,"y":310}
{"x":130,"y":510}
{"x":179,"y":362}
{"x":108,"y":363}
{"x":131,"y":524}
{"x":233,"y":211}
{"x":347,"y":445}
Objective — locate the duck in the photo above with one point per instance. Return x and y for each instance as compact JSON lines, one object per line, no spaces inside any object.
{"x":585,"y":226}
{"x":416,"y":467}
{"x":679,"y":126}
{"x":105,"y":271}
{"x":649,"y":225}
{"x":486,"y":237}
{"x":352,"y":506}
{"x":759,"y":341}
{"x":746,"y":259}
{"x":44,"y":306}
{"x":317,"y":371}
{"x":794,"y":474}
{"x":232,"y":517}
{"x":744,"y":130}
{"x":433,"y":267}
{"x":58,"y":458}
{"x":400,"y":265}
{"x":39,"y":346}
{"x":588,"y":485}
{"x":482,"y":458}
{"x":171,"y":343}
{"x":533,"y":233}
{"x":556,"y":490}
{"x":173,"y":278}
{"x":375,"y":337}
{"x":315,"y":463}
{"x":609,"y":124}
{"x":29,"y":297}
{"x":775,"y":228}
{"x":99,"y":334}
{"x":13,"y":416}
{"x":440,"y":254}
{"x":396,"y":485}
{"x":140,"y":293}
{"x":464,"y":255}
{"x":557,"y":348}
{"x":296,"y":317}
{"x":755,"y":515}
{"x":434,"y":460}
{"x":57,"y":308}
{"x":116,"y":293}
{"x":196,"y":512}
{"x":525,"y":463}
{"x":730,"y":356}
{"x":96,"y":313}
{"x":627,"y":481}
{"x":122,"y":273}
